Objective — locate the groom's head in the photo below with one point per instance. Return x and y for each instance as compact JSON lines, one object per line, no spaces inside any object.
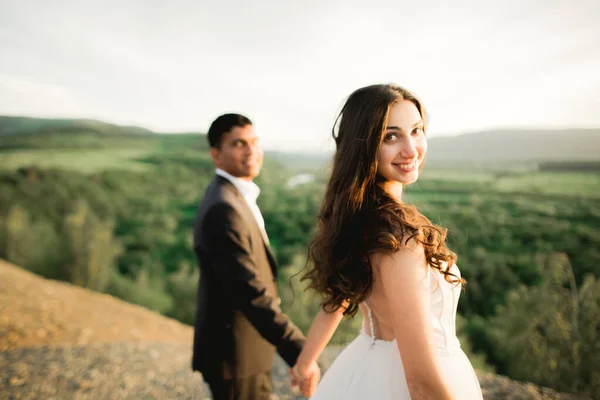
{"x":234,"y":146}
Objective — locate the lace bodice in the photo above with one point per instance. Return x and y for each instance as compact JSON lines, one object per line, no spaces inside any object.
{"x":444,"y":304}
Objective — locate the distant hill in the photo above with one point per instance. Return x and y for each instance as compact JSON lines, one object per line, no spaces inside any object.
{"x":496,"y":146}
{"x":20,"y":133}
{"x":304,"y":161}
{"x":10,"y":125}
{"x":488,"y":147}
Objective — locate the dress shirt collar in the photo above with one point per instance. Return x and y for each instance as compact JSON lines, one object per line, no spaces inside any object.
{"x":248,"y":189}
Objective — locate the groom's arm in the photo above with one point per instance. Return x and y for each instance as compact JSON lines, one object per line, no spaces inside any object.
{"x":227,"y":239}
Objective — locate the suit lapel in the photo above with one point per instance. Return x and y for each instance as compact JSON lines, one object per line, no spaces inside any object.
{"x":272,"y":261}
{"x":243,"y":207}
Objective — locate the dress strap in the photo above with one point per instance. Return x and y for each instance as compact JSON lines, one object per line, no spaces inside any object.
{"x":371,"y":324}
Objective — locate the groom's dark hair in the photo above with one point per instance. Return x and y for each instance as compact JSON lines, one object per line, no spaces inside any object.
{"x":224,"y":124}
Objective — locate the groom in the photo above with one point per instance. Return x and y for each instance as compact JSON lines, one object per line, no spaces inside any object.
{"x":239,"y":324}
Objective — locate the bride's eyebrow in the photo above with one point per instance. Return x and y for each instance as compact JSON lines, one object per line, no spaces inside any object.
{"x":396,"y":128}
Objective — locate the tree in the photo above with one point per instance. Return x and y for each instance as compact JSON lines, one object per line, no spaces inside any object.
{"x":31,"y":244}
{"x":90,"y":247}
{"x":183,"y":288}
{"x":548,"y":334}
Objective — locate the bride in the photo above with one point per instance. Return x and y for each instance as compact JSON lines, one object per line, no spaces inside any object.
{"x":376,"y":255}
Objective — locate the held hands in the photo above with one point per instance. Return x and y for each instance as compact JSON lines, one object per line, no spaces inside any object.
{"x":306,"y":378}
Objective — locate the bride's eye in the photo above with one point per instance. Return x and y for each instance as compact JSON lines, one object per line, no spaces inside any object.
{"x":391,"y":136}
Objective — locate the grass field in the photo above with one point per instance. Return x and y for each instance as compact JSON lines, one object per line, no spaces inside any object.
{"x":580,"y":184}
{"x":553,"y":183}
{"x":82,"y":160}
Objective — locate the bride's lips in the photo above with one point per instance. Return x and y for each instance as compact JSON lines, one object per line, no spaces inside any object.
{"x":406,"y":167}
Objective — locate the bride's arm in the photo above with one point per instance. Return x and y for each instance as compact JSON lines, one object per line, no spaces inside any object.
{"x":321,"y":331}
{"x":404,"y":280}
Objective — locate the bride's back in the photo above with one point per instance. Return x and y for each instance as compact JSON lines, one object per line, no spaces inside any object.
{"x":380,"y":309}
{"x":443,"y":302}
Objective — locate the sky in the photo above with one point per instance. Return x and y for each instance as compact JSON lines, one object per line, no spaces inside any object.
{"x":174,"y":66}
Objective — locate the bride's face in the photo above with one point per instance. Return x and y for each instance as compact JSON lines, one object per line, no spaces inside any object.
{"x":404,"y":144}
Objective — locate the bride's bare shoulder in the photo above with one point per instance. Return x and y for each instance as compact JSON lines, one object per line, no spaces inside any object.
{"x":411,"y":252}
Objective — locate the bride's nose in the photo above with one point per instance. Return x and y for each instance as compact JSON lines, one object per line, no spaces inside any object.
{"x":409,"y":150}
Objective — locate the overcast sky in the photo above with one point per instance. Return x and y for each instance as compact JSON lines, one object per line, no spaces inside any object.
{"x":288,"y":65}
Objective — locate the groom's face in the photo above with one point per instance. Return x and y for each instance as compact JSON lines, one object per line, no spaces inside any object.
{"x":239,"y":153}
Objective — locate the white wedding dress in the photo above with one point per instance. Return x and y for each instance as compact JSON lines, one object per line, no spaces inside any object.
{"x":369,"y":368}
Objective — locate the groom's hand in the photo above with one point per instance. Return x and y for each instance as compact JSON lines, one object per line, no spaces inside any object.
{"x":295,"y":380}
{"x":310,"y":379}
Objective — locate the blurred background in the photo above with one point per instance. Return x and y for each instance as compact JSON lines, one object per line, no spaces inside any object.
{"x":103,"y":159}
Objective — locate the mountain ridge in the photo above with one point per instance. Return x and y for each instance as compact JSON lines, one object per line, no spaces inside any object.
{"x":505,"y":145}
{"x":482,"y":147}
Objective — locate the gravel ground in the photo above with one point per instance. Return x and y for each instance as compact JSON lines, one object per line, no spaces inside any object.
{"x":110,"y":371}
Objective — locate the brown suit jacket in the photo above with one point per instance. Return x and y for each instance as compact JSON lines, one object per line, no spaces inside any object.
{"x":239,"y":324}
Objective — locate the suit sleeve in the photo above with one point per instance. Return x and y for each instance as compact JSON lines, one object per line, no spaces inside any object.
{"x":227,"y":240}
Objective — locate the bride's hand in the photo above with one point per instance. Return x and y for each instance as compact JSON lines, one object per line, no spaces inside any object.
{"x":307,"y":377}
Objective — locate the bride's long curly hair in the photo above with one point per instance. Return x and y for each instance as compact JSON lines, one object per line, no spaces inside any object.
{"x":358,"y":217}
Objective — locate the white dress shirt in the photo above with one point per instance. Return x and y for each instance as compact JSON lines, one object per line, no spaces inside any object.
{"x":250,"y":192}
